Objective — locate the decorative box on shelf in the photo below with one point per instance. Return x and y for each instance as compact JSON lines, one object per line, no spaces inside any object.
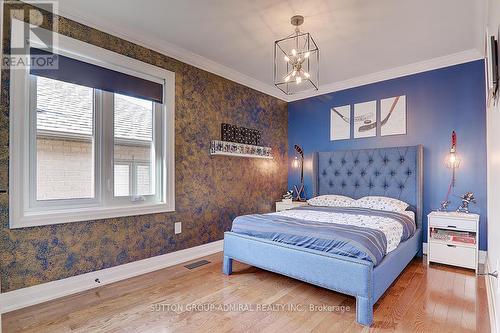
{"x":239,"y":149}
{"x":285,"y":205}
{"x":453,"y":239}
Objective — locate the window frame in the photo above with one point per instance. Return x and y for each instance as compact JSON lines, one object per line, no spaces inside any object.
{"x":128,"y":164}
{"x":157,"y":127}
{"x":21,"y":179}
{"x":46,"y":205}
{"x":133,"y":167}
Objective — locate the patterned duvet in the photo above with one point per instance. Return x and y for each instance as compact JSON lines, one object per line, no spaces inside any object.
{"x":361,"y":233}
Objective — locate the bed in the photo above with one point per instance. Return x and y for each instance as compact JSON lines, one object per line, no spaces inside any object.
{"x":395,"y":172}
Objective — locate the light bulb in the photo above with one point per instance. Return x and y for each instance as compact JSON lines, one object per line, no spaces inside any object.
{"x":307,"y":75}
{"x":295,"y":163}
{"x":287,"y":78}
{"x":307,"y":54}
{"x":286,"y":58}
{"x":298,"y":80}
{"x":299,"y":59}
{"x":294,"y":73}
{"x":453,"y":159}
{"x":294,"y":52}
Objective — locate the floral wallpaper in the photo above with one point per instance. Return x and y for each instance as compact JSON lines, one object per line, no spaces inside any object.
{"x":210,"y":191}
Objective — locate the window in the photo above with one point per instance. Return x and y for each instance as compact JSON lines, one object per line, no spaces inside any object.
{"x":64,"y":140}
{"x":90,"y":140}
{"x":122,"y":180}
{"x":134,"y":144}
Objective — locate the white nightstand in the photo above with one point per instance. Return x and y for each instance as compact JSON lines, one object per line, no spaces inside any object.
{"x":280,"y":205}
{"x":446,"y":239}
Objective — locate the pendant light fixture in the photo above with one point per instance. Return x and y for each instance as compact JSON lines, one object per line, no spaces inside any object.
{"x":296,"y":61}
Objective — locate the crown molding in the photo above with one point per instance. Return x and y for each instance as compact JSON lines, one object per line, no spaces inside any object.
{"x":176,"y":52}
{"x":414,"y":68}
{"x":190,"y":58}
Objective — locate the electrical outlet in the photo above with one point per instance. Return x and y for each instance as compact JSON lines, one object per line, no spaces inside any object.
{"x":177,"y":227}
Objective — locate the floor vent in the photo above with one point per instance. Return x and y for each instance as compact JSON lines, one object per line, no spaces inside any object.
{"x":197,"y":264}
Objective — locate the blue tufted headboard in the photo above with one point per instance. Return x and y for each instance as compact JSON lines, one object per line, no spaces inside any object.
{"x":392,"y":172}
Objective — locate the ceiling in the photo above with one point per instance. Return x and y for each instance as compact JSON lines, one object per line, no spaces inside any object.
{"x":357,"y":38}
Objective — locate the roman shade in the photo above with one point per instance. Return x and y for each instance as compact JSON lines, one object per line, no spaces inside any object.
{"x":93,"y":76}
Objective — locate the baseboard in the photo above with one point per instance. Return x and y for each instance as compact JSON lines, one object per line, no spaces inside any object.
{"x":491,"y":300}
{"x":482,"y":254}
{"x":24,"y":297}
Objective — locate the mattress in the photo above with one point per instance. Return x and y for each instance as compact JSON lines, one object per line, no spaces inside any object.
{"x":361,"y":233}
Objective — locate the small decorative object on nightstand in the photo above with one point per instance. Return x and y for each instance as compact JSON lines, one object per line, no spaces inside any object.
{"x":288,"y":197}
{"x":467,"y":199}
{"x":281,"y":205}
{"x":453,"y":238}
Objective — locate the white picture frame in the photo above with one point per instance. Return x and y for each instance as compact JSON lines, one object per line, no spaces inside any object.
{"x":365,"y":119}
{"x":340,"y":123}
{"x":393,"y":118}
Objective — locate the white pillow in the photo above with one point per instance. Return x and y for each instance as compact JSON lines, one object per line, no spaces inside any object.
{"x":331,"y":200}
{"x":381,"y":203}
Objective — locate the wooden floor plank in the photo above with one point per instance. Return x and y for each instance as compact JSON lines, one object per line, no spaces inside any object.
{"x":422,"y":299}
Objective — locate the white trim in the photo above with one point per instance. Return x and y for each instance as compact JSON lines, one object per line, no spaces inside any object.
{"x":24,"y":297}
{"x":178,"y":53}
{"x":481,"y":259}
{"x":24,"y":213}
{"x":414,"y":68}
{"x":89,"y":213}
{"x":492,"y":307}
{"x":211,"y":66}
{"x":99,"y":56}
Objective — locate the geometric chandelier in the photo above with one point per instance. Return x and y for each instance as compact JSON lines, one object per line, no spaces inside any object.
{"x":296,"y":61}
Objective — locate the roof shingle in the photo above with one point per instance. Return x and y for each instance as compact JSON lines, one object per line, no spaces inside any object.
{"x":67,"y":108}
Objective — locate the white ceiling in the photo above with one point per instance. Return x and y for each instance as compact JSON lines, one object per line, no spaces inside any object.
{"x":234,"y":38}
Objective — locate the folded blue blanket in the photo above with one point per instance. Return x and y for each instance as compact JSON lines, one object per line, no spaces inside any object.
{"x":347,"y":240}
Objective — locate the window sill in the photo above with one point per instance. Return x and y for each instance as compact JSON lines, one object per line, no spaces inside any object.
{"x":86,"y":214}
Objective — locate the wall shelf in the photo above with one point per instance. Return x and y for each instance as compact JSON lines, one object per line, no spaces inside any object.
{"x":226,"y":148}
{"x":240,"y":155}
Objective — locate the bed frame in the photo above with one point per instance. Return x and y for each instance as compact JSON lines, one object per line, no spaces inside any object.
{"x":393,"y":172}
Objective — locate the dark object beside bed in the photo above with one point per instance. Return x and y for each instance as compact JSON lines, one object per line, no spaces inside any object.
{"x":391,"y":172}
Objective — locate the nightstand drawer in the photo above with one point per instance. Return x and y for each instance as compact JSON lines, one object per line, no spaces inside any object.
{"x":453,"y":255}
{"x":448,"y":223}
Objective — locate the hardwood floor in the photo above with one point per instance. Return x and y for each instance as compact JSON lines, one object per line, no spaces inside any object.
{"x":436,"y":299}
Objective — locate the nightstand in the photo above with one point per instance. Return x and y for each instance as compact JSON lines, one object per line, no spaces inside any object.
{"x":280,"y":205}
{"x":453,"y":239}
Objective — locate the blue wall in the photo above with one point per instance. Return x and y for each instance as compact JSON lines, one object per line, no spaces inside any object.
{"x":438,"y":102}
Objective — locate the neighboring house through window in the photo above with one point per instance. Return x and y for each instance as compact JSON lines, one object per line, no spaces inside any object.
{"x":97,"y":141}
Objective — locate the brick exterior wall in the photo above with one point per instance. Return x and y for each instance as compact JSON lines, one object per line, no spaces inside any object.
{"x":64,"y":167}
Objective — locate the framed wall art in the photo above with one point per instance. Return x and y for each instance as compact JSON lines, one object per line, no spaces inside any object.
{"x":393,"y":116}
{"x":340,"y":122}
{"x":365,"y":119}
